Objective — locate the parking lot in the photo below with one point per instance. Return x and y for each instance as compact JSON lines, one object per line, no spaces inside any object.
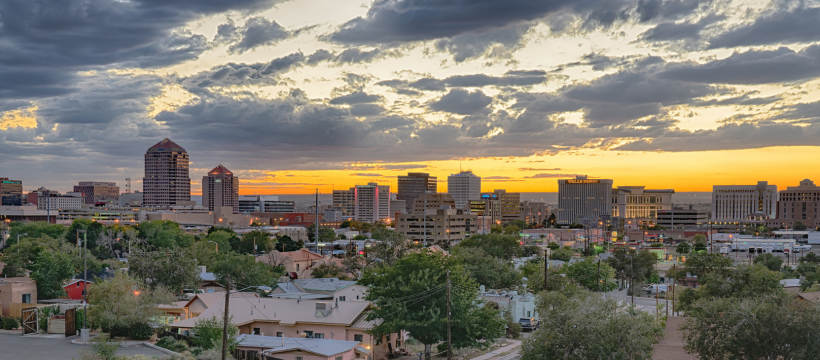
{"x":788,"y":258}
{"x":55,"y":346}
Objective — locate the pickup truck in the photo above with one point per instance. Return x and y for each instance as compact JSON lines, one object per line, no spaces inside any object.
{"x":528,"y":324}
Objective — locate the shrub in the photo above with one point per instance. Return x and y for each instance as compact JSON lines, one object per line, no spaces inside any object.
{"x":172,"y":344}
{"x":137,"y":331}
{"x":9,"y":323}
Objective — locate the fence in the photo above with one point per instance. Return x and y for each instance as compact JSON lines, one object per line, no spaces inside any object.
{"x":16,"y":309}
{"x":251,"y":355}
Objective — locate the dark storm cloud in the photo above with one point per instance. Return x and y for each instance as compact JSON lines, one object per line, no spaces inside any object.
{"x":798,"y":25}
{"x":801,"y":111}
{"x":476,"y":44}
{"x":599,"y":61}
{"x":257,"y":31}
{"x":730,"y":136}
{"x":751,"y":67}
{"x":521,"y":78}
{"x":366,"y":110}
{"x":358,"y":97}
{"x":462,"y":102}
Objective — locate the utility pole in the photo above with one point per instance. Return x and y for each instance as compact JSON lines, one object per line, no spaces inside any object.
{"x":316,"y":230}
{"x":674,"y":271}
{"x":225,"y":323}
{"x":449,"y":338}
{"x":424,"y":217}
{"x":84,"y":332}
{"x":546,"y":268}
{"x":632,"y":278}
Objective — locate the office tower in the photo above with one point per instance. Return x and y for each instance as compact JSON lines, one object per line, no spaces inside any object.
{"x":738,"y":203}
{"x":499,"y":205}
{"x":97,"y":191}
{"x":11,"y":192}
{"x":412,"y":185}
{"x":166,"y":180}
{"x":799,"y":204}
{"x":220,"y":188}
{"x":637,"y":202}
{"x":433,"y":201}
{"x":372,"y":202}
{"x":583,"y":198}
{"x":463,"y":187}
{"x":345,"y":200}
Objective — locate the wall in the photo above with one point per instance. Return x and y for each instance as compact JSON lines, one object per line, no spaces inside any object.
{"x":12,"y":290}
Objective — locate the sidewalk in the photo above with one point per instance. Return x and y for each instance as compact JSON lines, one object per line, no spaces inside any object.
{"x":500,"y":351}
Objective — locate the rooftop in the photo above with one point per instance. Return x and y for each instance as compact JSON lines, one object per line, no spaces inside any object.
{"x":220,"y":170}
{"x":331,"y":284}
{"x":166,"y":145}
{"x":324,"y":347}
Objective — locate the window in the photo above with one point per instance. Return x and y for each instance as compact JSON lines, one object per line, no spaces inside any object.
{"x":256,"y":331}
{"x":338,"y":358}
{"x":298,"y":358}
{"x":26,"y":299}
{"x":308,"y":334}
{"x":528,"y":314}
{"x":341,"y":298}
{"x":279,"y":334}
{"x":318,"y":336}
{"x":358,"y":337}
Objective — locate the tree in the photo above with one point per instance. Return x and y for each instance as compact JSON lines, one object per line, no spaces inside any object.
{"x":173,"y":270}
{"x":492,"y":272}
{"x":582,"y":325}
{"x":36,"y":229}
{"x":359,"y":237}
{"x":700,"y":264}
{"x":411,"y":295}
{"x":700,"y":246}
{"x":24,"y":255}
{"x":683,"y":248}
{"x":345,"y":224}
{"x":761,"y":327}
{"x":564,"y":254}
{"x":699,"y":237}
{"x":770,"y":261}
{"x":591,"y":274}
{"x":638,"y":266}
{"x":511,"y":230}
{"x":499,"y":246}
{"x":93,"y":228}
{"x":326,"y":234}
{"x":163,"y":234}
{"x":245,"y":270}
{"x":551,"y":221}
{"x":51,"y":270}
{"x":207,"y":334}
{"x":799,"y":226}
{"x":259,"y":238}
{"x":342,"y":237}
{"x":742,"y":282}
{"x":556,"y":279}
{"x":122,"y":302}
{"x":284,"y":243}
{"x":329,"y":270}
{"x":223,"y":239}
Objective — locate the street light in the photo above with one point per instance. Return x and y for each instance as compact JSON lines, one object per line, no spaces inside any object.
{"x":84,"y":333}
{"x":217,"y":245}
{"x":18,"y":244}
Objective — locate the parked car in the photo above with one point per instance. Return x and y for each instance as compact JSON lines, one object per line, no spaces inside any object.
{"x":652,"y":289}
{"x":528,"y":324}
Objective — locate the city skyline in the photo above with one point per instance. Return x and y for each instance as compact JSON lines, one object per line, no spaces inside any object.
{"x":304,"y":94}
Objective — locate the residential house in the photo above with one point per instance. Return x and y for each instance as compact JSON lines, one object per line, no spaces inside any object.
{"x":300,"y":349}
{"x":327,"y":289}
{"x":186,"y":309}
{"x":17,"y":290}
{"x":294,"y":318}
{"x":302,"y":260}
{"x":209,"y":283}
{"x":75,"y":290}
{"x":519,"y":306}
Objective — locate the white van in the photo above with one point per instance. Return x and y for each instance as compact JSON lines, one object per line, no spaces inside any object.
{"x":652,"y":289}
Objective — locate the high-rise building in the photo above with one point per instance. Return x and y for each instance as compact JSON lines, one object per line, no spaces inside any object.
{"x":582,"y":198}
{"x":412,"y":185}
{"x":533,"y":212}
{"x":501,"y":206}
{"x":345,"y":200}
{"x":433,"y":201}
{"x":97,"y":191}
{"x":637,"y":202}
{"x":265,"y":204}
{"x":220,"y":188}
{"x":166,"y":180}
{"x":11,"y":192}
{"x":372,"y":202}
{"x":463,"y":187}
{"x":798,"y":204}
{"x":742,"y":203}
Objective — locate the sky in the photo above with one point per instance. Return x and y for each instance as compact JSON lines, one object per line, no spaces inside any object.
{"x":299,"y":95}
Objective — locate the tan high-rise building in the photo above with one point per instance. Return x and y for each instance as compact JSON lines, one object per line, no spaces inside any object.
{"x":96,"y":191}
{"x":798,"y":204}
{"x":433,"y":201}
{"x":345,"y":200}
{"x":220,"y":188}
{"x":372,"y":202}
{"x":412,"y":185}
{"x":500,"y":205}
{"x":533,"y":212}
{"x":166,"y":180}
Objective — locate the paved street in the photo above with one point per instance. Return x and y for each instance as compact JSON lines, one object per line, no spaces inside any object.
{"x":54,"y":346}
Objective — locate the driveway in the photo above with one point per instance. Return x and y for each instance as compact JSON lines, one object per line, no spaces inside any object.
{"x":55,"y":346}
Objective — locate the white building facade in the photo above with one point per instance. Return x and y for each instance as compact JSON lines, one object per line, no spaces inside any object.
{"x":372,"y":202}
{"x":738,"y":203}
{"x":463,"y":187}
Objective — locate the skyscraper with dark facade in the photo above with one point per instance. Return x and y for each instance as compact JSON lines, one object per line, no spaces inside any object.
{"x":412,"y":185}
{"x":220,"y":188}
{"x":11,"y":192}
{"x":166,"y":180}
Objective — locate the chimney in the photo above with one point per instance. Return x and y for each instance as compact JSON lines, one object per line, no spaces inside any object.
{"x":323,"y":309}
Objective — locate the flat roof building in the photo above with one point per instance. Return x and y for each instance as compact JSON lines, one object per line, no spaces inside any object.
{"x":583,"y":198}
{"x":432,"y":201}
{"x":682,"y":218}
{"x":11,"y":192}
{"x":97,"y":191}
{"x":412,"y":185}
{"x":441,"y":225}
{"x":463,"y":187}
{"x":798,"y":204}
{"x":637,"y":202}
{"x":372,"y":203}
{"x":740,"y":203}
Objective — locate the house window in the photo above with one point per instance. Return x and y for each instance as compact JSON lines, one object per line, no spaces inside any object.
{"x":78,"y":284}
{"x":298,"y":358}
{"x":279,"y":334}
{"x":358,"y":337}
{"x":341,"y":298}
{"x":338,"y":358}
{"x":357,"y":297}
{"x":318,"y":336}
{"x":528,"y":314}
{"x":308,"y":334}
{"x":297,"y":269}
{"x":26,"y":299}
{"x":257,"y":331}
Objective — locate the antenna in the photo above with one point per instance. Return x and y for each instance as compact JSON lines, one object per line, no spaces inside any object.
{"x":128,"y":185}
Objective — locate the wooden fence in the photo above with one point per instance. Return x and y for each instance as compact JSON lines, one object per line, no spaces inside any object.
{"x":16,"y":309}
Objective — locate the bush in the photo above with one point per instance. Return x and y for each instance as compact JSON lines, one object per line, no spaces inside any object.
{"x":137,"y":331}
{"x":9,"y":323}
{"x":172,"y":344}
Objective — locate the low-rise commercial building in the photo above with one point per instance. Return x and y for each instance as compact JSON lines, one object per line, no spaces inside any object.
{"x":798,"y":204}
{"x":23,"y":213}
{"x":682,"y":218}
{"x":265,"y":203}
{"x":639,"y":203}
{"x":428,"y":201}
{"x":11,"y":192}
{"x":441,"y":225}
{"x":97,"y":191}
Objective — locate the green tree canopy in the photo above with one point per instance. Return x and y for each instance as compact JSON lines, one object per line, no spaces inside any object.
{"x":700,"y":264}
{"x":742,"y":282}
{"x":683,"y":248}
{"x":581,"y":325}
{"x":500,"y":246}
{"x":245,"y":271}
{"x":285,"y":243}
{"x":174,"y":270}
{"x":564,"y":254}
{"x":259,"y":238}
{"x":799,"y":226}
{"x":492,"y":272}
{"x":36,"y":229}
{"x":699,"y":246}
{"x":24,"y":255}
{"x":51,"y":270}
{"x":326,"y":234}
{"x":770,"y":261}
{"x":223,"y":240}
{"x":124,"y":301}
{"x":163,"y":234}
{"x":208,"y":333}
{"x":94,"y":229}
{"x":592,"y":275}
{"x":411,"y":295}
{"x":636,"y":265}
